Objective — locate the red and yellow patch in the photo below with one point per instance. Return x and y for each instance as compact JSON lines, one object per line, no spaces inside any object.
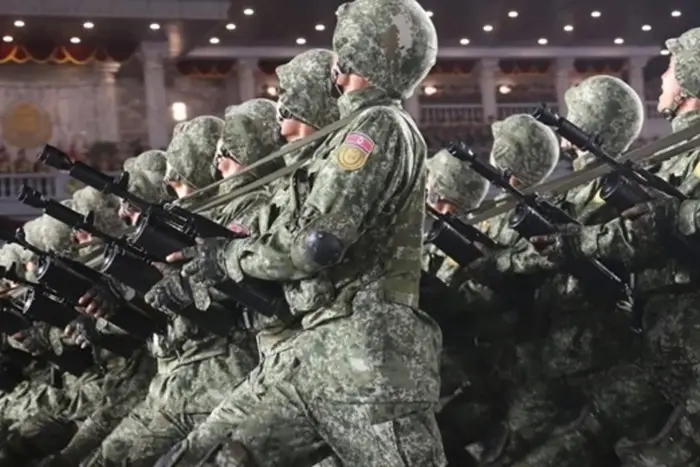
{"x":354,"y":152}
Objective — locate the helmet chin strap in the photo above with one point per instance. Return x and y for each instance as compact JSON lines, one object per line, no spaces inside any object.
{"x":670,"y":112}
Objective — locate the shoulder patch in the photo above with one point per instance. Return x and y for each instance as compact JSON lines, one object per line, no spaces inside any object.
{"x":350,"y":157}
{"x":239,"y":229}
{"x":360,"y":141}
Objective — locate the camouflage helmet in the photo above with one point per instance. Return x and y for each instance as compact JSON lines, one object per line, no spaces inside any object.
{"x":306,"y":88}
{"x":251,"y":133}
{"x":149,"y":186}
{"x":190,"y":152}
{"x":526,"y":148}
{"x":231,"y":109}
{"x":454,"y":180}
{"x":11,"y":253}
{"x":105,"y":208}
{"x":685,"y":49}
{"x":48,"y":234}
{"x":153,"y":160}
{"x":391,"y":43}
{"x":606,"y":106}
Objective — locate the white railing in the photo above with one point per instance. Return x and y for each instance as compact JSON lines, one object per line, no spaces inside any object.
{"x":450,"y":114}
{"x":52,"y":184}
{"x":506,"y":110}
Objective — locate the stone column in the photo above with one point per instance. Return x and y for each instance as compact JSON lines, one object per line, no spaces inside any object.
{"x":562,"y":81}
{"x":108,"y":103}
{"x":412,"y":106}
{"x":158,"y":116}
{"x":245,"y":72}
{"x":635,"y":75}
{"x":487,"y":82}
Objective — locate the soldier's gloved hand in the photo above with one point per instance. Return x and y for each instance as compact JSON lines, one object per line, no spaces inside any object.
{"x":562,"y":246}
{"x":99,"y":302}
{"x":82,"y":331}
{"x":659,"y":215}
{"x":205,"y":267}
{"x":171,"y":294}
{"x":30,"y":340}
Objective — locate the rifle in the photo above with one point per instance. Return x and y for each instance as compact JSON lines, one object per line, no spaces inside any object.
{"x":629,"y":184}
{"x":132,"y":266}
{"x":455,"y":238}
{"x":74,"y":361}
{"x":535,"y":216}
{"x":38,"y":304}
{"x":71,"y":280}
{"x":160,"y":230}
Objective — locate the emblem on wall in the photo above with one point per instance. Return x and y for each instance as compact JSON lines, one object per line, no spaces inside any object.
{"x":26,"y":126}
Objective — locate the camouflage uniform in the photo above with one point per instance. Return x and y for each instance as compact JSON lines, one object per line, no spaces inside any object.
{"x":361,"y":375}
{"x":195,"y":369}
{"x":666,"y":286}
{"x":592,"y":347}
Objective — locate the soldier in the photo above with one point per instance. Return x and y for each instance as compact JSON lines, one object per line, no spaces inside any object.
{"x":196,"y":369}
{"x":100,"y":397}
{"x":453,"y":187}
{"x":145,"y":181}
{"x":586,"y":323}
{"x":643,"y":240}
{"x":362,"y":364}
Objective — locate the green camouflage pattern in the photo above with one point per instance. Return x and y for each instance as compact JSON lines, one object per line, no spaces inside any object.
{"x":525,"y":147}
{"x":607,"y":107}
{"x":391,"y":43}
{"x":152,"y":160}
{"x":250,"y":134}
{"x":685,"y":49}
{"x":48,"y":234}
{"x":190,"y":152}
{"x":454,"y":180}
{"x":149,"y":186}
{"x":305,"y":88}
{"x":104,"y":207}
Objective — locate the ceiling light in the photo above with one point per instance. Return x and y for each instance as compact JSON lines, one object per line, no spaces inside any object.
{"x":154,"y":26}
{"x":88,"y":25}
{"x":595,"y":14}
{"x":75,"y":40}
{"x":504,"y":89}
{"x":488,"y":28}
{"x":665,"y":52}
{"x":646,"y":27}
{"x":619,"y":41}
{"x":464,"y":41}
{"x":542,"y":41}
{"x":429,"y":13}
{"x":568,"y":28}
{"x":230,"y":26}
{"x":320,"y":27}
{"x":301,"y":41}
{"x":249,"y":12}
{"x":271,"y":91}
{"x":214,"y":40}
{"x":8,"y":39}
{"x":19,"y":23}
{"x":179,"y":111}
{"x":429,"y":90}
{"x":512,"y":14}
{"x":675,"y":13}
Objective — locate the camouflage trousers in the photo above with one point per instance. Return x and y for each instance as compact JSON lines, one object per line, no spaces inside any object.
{"x":177,"y":401}
{"x":97,"y":402}
{"x":29,"y":398}
{"x":52,"y":417}
{"x":363,"y":387}
{"x":619,"y":402}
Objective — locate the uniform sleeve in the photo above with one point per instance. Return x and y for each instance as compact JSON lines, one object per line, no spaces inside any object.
{"x":634,"y":244}
{"x":348,"y":192}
